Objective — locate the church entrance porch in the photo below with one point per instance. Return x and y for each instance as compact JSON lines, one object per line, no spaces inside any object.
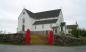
{"x":55,"y":30}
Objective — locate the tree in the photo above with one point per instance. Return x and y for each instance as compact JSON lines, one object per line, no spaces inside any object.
{"x":83,"y":33}
{"x":78,"y":32}
{"x":75,"y":32}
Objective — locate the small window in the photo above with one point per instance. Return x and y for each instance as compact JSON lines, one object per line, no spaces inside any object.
{"x":61,"y":28}
{"x":50,"y":25}
{"x":23,"y":13}
{"x":42,"y":26}
{"x":35,"y":26}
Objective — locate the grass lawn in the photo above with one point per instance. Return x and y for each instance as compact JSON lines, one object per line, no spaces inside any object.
{"x":8,"y":43}
{"x":39,"y":40}
{"x":83,"y":38}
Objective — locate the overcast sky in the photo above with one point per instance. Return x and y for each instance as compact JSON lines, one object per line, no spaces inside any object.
{"x":73,"y":10}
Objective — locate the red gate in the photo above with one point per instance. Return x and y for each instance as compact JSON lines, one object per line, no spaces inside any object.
{"x":51,"y":38}
{"x":28,"y":38}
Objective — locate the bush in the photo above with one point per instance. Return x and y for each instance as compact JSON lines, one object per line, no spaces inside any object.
{"x":78,"y":32}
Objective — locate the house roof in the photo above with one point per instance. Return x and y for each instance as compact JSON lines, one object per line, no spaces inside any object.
{"x":45,"y":22}
{"x":72,"y":26}
{"x":45,"y":14}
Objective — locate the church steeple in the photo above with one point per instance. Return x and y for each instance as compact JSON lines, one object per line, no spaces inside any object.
{"x":76,"y":23}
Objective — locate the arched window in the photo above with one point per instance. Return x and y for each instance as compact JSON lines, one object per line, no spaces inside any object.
{"x":23,"y":20}
{"x":23,"y":27}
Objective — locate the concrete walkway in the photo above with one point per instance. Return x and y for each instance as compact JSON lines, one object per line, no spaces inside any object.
{"x":13,"y":48}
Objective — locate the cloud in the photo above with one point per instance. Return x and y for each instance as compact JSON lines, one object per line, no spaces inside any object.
{"x":73,"y":10}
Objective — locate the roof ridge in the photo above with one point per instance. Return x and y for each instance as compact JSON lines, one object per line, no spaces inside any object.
{"x":28,"y":10}
{"x":47,"y":11}
{"x":41,"y":11}
{"x":44,"y":14}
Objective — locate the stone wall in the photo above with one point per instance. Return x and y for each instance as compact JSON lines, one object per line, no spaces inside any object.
{"x":67,"y":40}
{"x":39,"y":32}
{"x":12,"y":38}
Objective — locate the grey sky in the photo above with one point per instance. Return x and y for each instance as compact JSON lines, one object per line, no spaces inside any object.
{"x":73,"y":10}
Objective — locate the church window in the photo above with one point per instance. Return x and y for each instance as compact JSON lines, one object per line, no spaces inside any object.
{"x":23,"y":13}
{"x":42,"y":26}
{"x":23,"y":27}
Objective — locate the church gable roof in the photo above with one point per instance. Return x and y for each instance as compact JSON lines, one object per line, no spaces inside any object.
{"x":45,"y":14}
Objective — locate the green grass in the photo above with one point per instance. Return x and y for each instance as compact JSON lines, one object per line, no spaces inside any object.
{"x":83,"y":38}
{"x":8,"y":43}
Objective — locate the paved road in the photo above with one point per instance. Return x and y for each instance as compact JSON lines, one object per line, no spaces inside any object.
{"x":11,"y":48}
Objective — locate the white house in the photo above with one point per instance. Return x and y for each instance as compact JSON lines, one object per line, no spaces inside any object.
{"x":41,"y":21}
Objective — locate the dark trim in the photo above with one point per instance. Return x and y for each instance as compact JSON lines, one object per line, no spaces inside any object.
{"x":45,"y":22}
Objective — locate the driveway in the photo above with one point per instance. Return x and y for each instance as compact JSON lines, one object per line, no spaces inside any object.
{"x":14,"y":48}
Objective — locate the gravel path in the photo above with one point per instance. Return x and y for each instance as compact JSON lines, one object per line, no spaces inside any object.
{"x":13,"y":48}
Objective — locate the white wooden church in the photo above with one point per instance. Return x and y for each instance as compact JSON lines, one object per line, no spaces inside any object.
{"x":51,"y":20}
